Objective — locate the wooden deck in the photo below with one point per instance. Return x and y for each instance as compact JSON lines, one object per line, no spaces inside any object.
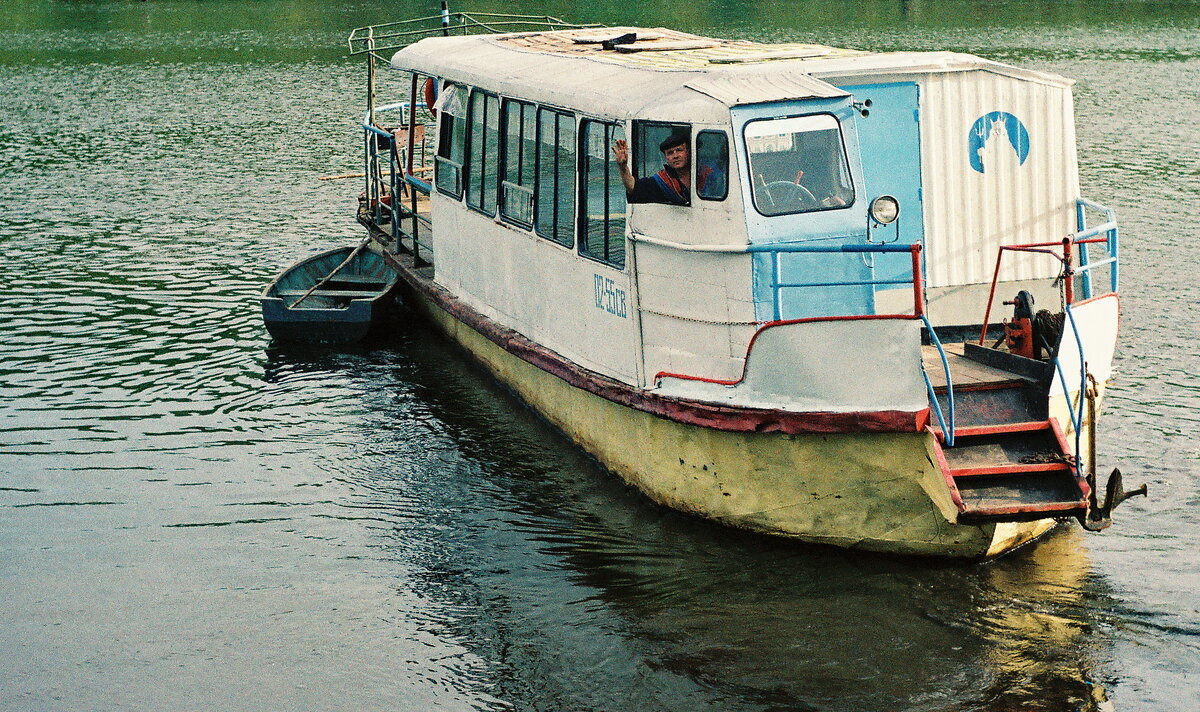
{"x":963,"y":370}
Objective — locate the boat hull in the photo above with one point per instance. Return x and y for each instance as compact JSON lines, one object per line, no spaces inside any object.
{"x":320,"y":326}
{"x":344,"y":307}
{"x":873,"y":491}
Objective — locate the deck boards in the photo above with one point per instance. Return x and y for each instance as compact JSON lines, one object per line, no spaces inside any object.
{"x":963,"y":370}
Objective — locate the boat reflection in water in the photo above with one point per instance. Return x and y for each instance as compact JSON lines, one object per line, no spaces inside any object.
{"x":577,"y":594}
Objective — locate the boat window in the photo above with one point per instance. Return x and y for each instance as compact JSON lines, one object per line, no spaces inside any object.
{"x":712,"y":165}
{"x":516,"y":181}
{"x":556,"y":176}
{"x":483,"y":151}
{"x":648,"y":136}
{"x":452,"y":140}
{"x":602,"y":203}
{"x":798,"y":165}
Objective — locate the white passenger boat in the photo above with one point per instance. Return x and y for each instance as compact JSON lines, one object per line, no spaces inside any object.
{"x":787,"y":330}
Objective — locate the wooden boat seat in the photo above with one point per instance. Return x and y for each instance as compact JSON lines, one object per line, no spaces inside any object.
{"x":352,"y":293}
{"x":359,"y":279}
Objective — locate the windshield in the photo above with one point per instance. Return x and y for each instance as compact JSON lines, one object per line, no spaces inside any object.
{"x":798,"y":165}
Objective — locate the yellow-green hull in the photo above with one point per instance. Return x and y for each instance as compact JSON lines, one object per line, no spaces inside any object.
{"x":874,"y":491}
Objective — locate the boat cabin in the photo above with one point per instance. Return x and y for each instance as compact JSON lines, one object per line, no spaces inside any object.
{"x":821,"y":184}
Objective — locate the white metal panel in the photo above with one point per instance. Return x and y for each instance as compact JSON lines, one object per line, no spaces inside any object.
{"x":969,"y":214}
{"x":538,"y":288}
{"x":697,"y":315}
{"x":828,"y":366}
{"x":1097,"y":322}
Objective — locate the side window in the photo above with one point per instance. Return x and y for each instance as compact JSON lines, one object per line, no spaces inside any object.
{"x":648,"y":136}
{"x":712,"y":165}
{"x":516,"y":180}
{"x":602,"y":202}
{"x":452,"y":140}
{"x":556,"y":176}
{"x":483,"y":151}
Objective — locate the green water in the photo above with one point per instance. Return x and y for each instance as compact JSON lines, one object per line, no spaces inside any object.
{"x":192,"y":517}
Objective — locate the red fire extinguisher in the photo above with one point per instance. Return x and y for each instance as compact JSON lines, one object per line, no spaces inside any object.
{"x":1018,"y":332}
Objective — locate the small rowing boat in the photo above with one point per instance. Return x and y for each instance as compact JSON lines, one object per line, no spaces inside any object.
{"x":333,"y":297}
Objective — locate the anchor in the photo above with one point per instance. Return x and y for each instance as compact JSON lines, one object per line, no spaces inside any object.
{"x":1098,"y":516}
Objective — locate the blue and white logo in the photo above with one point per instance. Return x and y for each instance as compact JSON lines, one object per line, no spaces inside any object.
{"x":990,"y":138}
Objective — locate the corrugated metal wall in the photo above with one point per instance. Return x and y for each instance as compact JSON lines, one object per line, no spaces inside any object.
{"x":970,"y":213}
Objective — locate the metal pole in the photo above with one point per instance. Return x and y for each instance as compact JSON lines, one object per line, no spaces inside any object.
{"x":776,"y":295}
{"x":371,"y":75}
{"x":445,"y":18}
{"x":412,"y":130}
{"x":1068,"y":285}
{"x":918,"y":281}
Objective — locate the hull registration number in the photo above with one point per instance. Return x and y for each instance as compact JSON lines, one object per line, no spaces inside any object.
{"x":609,"y":298}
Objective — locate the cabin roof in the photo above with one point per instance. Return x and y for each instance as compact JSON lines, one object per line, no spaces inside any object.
{"x":663,"y":68}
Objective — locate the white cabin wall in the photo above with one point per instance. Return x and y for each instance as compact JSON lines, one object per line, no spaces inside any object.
{"x":697,"y":307}
{"x":697,"y":311}
{"x":968,"y":214}
{"x":536,"y":287}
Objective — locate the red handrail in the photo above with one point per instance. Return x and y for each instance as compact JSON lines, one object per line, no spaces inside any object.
{"x":918,"y":312}
{"x":1068,"y":273}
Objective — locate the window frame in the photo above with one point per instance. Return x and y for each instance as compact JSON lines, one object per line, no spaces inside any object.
{"x":469,"y":164}
{"x":696,"y":163}
{"x":502,"y":177}
{"x":845,"y":157}
{"x":573,"y":179}
{"x":637,"y":159}
{"x":581,"y":194}
{"x":440,"y":159}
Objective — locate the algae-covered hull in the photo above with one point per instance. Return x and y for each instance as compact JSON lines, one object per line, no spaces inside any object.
{"x":874,"y":491}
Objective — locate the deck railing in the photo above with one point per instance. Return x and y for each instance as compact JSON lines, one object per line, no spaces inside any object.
{"x":395,"y":35}
{"x":392,"y":164}
{"x":1080,"y":241}
{"x":1108,"y":229}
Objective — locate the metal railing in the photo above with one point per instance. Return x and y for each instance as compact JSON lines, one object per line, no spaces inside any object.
{"x":776,"y":250}
{"x":1108,"y":228}
{"x":395,"y":35}
{"x":1079,"y":240}
{"x":390,"y":169}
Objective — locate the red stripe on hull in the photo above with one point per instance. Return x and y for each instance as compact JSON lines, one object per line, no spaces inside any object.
{"x":681,"y":410}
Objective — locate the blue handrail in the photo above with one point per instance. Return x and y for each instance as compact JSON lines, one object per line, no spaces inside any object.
{"x":1076,"y":416}
{"x":1109,"y":229}
{"x":937,"y":407}
{"x":775,"y":249}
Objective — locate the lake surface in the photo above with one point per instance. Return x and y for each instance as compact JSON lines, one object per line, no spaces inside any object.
{"x":192,"y":517}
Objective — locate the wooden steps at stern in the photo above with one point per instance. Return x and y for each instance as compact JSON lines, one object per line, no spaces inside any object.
{"x":1012,"y":472}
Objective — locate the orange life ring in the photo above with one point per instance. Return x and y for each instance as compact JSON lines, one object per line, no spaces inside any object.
{"x":431,"y":95}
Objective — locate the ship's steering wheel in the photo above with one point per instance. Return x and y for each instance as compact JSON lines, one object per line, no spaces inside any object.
{"x":788,"y":196}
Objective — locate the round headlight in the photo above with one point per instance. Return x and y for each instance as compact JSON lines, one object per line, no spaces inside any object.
{"x":885,"y":209}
